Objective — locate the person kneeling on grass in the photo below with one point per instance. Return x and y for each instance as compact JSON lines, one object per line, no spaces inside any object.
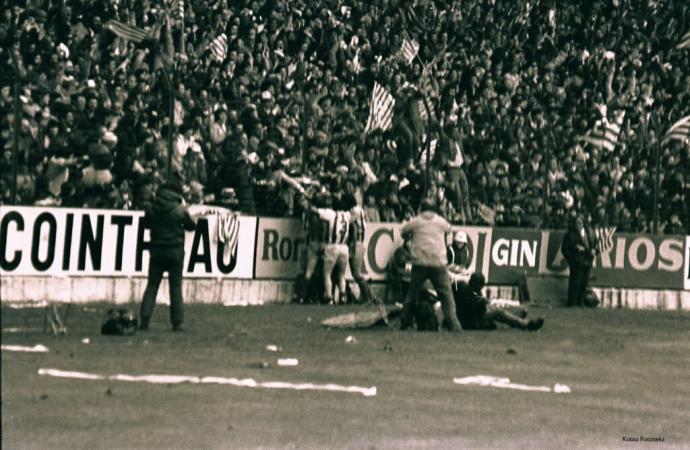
{"x":475,"y":312}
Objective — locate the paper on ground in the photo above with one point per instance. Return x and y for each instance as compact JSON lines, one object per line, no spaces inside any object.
{"x":239,"y":382}
{"x":504,"y":383}
{"x":22,"y":348}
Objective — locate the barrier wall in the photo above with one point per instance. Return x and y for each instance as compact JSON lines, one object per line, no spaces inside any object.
{"x":79,"y":242}
{"x":504,"y":255}
{"x":101,"y":251}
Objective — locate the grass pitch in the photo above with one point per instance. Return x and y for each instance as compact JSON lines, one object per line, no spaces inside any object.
{"x":628,"y":371}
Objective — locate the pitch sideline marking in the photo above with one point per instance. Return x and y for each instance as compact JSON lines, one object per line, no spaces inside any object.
{"x":239,"y":382}
{"x":504,"y":383}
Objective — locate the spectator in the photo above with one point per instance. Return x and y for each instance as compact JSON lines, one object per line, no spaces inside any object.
{"x":536,"y":87}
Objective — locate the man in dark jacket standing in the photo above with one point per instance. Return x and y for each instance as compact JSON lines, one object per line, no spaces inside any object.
{"x":168,"y":219}
{"x":578,"y":249}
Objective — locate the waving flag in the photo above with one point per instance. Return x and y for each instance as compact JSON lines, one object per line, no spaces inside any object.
{"x":684,"y":41}
{"x":409,"y":49}
{"x":381,"y":109}
{"x":604,"y":237}
{"x":605,"y":134}
{"x":126,"y":31}
{"x":229,"y":231}
{"x":219,"y":48}
{"x":680,"y":131}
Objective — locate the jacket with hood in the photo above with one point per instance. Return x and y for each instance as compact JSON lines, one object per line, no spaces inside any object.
{"x":168,"y":218}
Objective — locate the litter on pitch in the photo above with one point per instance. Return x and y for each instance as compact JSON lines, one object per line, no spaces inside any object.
{"x":288,"y":362}
{"x":238,"y":382}
{"x":22,"y":348}
{"x":504,"y":383}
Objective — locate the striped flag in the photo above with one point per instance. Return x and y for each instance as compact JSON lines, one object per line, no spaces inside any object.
{"x":680,"y":131}
{"x":684,"y":41}
{"x":604,"y":237}
{"x":126,"y":31}
{"x":219,"y":48}
{"x":605,"y":134}
{"x":180,"y":9}
{"x":381,"y":109}
{"x":409,"y":49}
{"x":229,"y":231}
{"x":427,"y":87}
{"x":423,"y":114}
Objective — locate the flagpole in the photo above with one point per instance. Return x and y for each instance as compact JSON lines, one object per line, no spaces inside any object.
{"x":544,"y":196}
{"x":171,"y":115}
{"x":427,"y":145}
{"x":657,"y":179}
{"x":17,"y":115}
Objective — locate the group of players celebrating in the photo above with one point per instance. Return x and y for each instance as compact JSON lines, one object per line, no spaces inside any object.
{"x":334,"y":237}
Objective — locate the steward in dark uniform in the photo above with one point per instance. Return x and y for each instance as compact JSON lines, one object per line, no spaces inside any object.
{"x":168,"y":219}
{"x":578,"y":249}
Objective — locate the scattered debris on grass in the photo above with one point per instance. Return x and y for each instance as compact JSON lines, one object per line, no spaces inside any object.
{"x":350,"y":339}
{"x":504,"y":383}
{"x":288,"y":362}
{"x":38,"y":348}
{"x":171,"y":380}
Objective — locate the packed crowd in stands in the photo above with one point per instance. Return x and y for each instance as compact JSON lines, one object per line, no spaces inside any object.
{"x":511,"y":89}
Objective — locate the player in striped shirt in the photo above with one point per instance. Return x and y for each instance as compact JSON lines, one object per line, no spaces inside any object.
{"x":335,"y":227}
{"x":312,"y":251}
{"x":356,"y":247}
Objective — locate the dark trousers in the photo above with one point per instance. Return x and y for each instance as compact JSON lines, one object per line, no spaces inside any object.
{"x":356,"y":264}
{"x":506,"y":317}
{"x":441,"y":282}
{"x":409,"y":141}
{"x":577,"y":285}
{"x":163,"y":260}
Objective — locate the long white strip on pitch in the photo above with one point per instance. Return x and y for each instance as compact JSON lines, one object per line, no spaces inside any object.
{"x":504,"y":383}
{"x":22,"y":348}
{"x":240,"y":382}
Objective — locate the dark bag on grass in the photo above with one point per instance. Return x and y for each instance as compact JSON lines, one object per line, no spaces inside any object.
{"x":591,"y":299}
{"x":119,"y":322}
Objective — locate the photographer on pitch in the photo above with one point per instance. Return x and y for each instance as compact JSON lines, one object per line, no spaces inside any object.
{"x":168,"y":218}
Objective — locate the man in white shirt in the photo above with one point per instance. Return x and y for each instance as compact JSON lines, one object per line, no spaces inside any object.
{"x":429,"y":234}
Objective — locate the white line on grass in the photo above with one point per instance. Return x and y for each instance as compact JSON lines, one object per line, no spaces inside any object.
{"x":239,"y":382}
